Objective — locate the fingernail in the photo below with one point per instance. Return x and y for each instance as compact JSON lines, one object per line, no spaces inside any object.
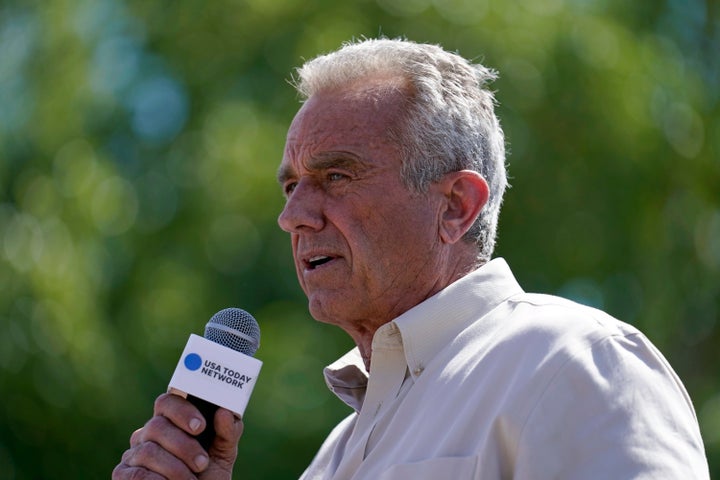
{"x":195,"y":424}
{"x":201,"y":461}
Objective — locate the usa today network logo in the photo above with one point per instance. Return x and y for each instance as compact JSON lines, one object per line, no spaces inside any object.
{"x":215,"y":370}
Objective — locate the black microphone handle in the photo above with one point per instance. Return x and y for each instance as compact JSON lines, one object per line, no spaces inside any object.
{"x":208,"y":410}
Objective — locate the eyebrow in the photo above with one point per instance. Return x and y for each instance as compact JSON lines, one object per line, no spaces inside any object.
{"x":319,"y":162}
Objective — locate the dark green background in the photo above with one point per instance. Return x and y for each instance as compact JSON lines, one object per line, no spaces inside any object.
{"x":138,"y":146}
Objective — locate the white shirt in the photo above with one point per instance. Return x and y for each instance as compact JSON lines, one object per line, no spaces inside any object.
{"x":484,"y":381}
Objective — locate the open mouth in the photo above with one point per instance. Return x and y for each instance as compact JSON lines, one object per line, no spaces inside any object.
{"x":314,"y":262}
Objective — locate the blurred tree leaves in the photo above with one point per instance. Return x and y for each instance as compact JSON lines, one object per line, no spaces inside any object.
{"x":138,"y":148}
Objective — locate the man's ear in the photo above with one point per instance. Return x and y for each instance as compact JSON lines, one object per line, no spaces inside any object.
{"x":465,"y":194}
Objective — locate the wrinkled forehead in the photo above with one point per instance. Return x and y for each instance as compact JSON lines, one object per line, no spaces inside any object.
{"x":363,"y":121}
{"x":367,"y":98}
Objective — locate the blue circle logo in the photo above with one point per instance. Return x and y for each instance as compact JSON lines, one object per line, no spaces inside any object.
{"x":193,"y":361}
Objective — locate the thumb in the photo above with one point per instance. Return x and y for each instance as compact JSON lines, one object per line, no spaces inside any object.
{"x":223,"y":451}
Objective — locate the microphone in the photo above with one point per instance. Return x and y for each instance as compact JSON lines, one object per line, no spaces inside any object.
{"x":218,"y":370}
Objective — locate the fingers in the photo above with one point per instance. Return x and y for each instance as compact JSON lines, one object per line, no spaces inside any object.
{"x":166,"y":446}
{"x":125,"y":472}
{"x":150,"y":461}
{"x":180,"y":412}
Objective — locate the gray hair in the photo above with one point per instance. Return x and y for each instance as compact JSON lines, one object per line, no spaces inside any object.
{"x":449,"y":124}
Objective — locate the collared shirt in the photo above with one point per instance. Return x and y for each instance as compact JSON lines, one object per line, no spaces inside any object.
{"x":485,"y":381}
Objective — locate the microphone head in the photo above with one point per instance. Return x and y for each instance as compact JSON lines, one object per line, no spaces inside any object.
{"x":234,"y":328}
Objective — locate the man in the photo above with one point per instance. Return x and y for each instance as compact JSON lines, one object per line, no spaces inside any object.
{"x":394,"y":172}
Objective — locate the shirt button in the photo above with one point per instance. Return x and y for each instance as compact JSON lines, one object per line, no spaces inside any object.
{"x":418,"y":371}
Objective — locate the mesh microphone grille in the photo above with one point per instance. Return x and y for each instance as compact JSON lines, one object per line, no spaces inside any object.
{"x":234,"y":328}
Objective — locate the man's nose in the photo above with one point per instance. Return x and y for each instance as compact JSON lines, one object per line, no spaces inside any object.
{"x":303,"y":208}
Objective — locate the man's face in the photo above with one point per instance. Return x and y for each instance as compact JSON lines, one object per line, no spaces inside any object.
{"x":365,"y":247}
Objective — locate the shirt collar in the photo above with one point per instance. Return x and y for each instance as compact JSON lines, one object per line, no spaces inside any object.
{"x":429,"y":326}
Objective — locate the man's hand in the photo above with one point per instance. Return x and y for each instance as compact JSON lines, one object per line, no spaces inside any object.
{"x":166,"y":448}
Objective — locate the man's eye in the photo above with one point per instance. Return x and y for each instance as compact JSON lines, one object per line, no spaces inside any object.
{"x":289,"y":188}
{"x":334,"y":176}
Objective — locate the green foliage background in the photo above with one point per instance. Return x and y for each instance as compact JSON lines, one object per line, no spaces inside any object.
{"x":138,"y":148}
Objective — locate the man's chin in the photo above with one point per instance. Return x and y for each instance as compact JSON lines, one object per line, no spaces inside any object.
{"x":324,"y":310}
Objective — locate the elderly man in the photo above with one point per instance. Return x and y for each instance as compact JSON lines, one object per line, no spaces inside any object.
{"x":394,"y":172}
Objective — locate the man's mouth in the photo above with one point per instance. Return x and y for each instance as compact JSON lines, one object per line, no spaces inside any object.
{"x":314,"y":262}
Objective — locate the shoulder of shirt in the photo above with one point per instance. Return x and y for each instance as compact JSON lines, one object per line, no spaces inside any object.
{"x":535,"y":328}
{"x":555,"y":312}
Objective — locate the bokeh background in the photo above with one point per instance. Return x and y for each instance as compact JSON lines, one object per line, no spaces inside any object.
{"x":138,"y":147}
